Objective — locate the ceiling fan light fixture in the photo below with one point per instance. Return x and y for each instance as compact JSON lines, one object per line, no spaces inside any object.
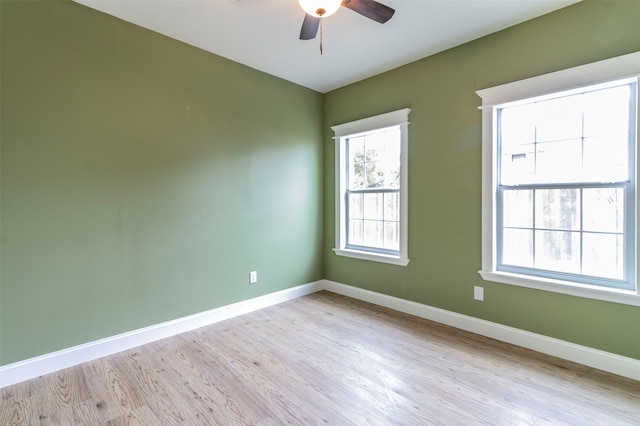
{"x":320,"y":8}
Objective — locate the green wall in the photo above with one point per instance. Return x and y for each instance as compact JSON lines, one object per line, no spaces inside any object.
{"x":143,"y":179}
{"x":445,"y":172}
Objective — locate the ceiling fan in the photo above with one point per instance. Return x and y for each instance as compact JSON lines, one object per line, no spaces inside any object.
{"x":318,"y":9}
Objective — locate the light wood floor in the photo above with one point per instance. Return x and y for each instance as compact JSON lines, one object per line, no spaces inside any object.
{"x":325,"y":359}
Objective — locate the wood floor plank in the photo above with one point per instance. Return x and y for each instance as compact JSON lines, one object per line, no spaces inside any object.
{"x":85,"y":413}
{"x":68,"y":391}
{"x":264,"y":389}
{"x":147,"y":369}
{"x":358,"y":389}
{"x":270,"y":363}
{"x":394,"y":390}
{"x":189,"y":379}
{"x":219,"y":384}
{"x":325,"y":359}
{"x":25,"y":390}
{"x":113,"y":393}
{"x":18,"y":411}
{"x":142,"y":416}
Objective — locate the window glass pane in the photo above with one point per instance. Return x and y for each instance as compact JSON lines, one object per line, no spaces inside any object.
{"x":356,"y":149}
{"x":390,"y":163}
{"x":374,"y":220}
{"x":605,"y":158}
{"x":373,"y":206}
{"x":603,"y":255}
{"x":559,"y":119}
{"x":606,"y":112}
{"x":356,"y":210}
{"x":374,"y":160}
{"x":356,"y":176}
{"x":517,"y":164}
{"x":375,"y":146}
{"x":374,"y":177}
{"x":603,"y":209}
{"x":392,"y":235}
{"x":373,"y":233}
{"x":355,"y":232}
{"x":518,"y":125}
{"x":517,"y":247}
{"x":391,"y":172}
{"x":383,"y":151}
{"x":559,"y":161}
{"x":558,"y":208}
{"x":518,"y":208}
{"x":392,"y":206}
{"x":577,"y":138}
{"x":558,"y":251}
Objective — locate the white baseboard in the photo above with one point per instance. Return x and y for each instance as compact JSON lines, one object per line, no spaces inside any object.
{"x":606,"y":361}
{"x":52,"y":362}
{"x":65,"y":358}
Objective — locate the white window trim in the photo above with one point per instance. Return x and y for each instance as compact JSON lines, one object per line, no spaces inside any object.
{"x":617,"y":68}
{"x":394,"y":118}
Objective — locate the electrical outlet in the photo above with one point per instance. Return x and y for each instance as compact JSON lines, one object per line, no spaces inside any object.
{"x":253,"y":277}
{"x":478,"y":293}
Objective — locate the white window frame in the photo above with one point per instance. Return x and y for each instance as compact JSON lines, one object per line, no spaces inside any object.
{"x":618,"y":68}
{"x":341,"y":133}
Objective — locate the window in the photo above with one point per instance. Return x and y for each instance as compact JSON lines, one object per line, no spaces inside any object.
{"x":559,"y":181}
{"x":371,"y":188}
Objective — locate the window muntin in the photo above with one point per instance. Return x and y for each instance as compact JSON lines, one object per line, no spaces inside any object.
{"x":565,"y":186}
{"x":372,"y":188}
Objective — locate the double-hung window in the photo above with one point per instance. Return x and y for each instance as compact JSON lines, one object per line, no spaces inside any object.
{"x":371,"y":188}
{"x":559,"y":181}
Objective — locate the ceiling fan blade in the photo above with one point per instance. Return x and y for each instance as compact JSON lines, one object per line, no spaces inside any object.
{"x":309,"y":27}
{"x":370,"y":9}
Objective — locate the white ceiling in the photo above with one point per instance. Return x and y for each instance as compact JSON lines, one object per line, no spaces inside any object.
{"x":263,"y":34}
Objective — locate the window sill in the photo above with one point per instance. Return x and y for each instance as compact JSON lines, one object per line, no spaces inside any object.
{"x":565,"y":287}
{"x":374,"y":257}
